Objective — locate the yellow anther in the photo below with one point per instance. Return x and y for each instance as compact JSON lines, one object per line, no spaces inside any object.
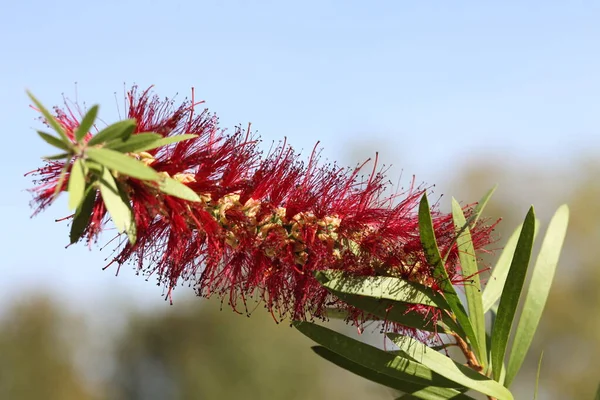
{"x":231,"y":240}
{"x":264,"y":230}
{"x":270,"y":252}
{"x":280,"y":212}
{"x":298,"y":247}
{"x":185,"y":177}
{"x":145,"y":157}
{"x":251,"y":208}
{"x":225,"y":203}
{"x":301,"y":258}
{"x":332,"y":222}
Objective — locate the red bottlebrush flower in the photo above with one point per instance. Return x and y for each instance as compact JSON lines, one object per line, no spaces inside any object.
{"x":265,"y":223}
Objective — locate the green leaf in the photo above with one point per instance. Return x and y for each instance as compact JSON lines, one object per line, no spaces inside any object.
{"x":160,"y":142}
{"x":54,"y":141}
{"x":170,"y":140}
{"x":434,"y":393}
{"x":336,"y":313}
{"x":450,"y":369}
{"x":123,"y":164}
{"x":94,"y":167}
{"x":468,"y":262}
{"x":51,"y":121}
{"x":495,"y":283}
{"x":481,"y":205}
{"x":427,"y":394}
{"x":394,"y":311}
{"x":512,"y":292}
{"x":472,"y":220}
{"x":381,"y":287}
{"x":83,"y":214}
{"x":57,"y":156}
{"x":493,"y":313}
{"x":537,"y":376}
{"x":175,"y":188}
{"x":135,"y":143}
{"x":86,"y":123}
{"x":535,"y":299}
{"x":419,"y":391}
{"x":61,"y":179}
{"x":440,"y":274}
{"x":121,"y":130}
{"x":117,"y":205}
{"x":597,"y":396}
{"x":372,"y":358}
{"x":76,"y":184}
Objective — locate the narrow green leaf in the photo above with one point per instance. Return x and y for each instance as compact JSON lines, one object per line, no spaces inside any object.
{"x":488,"y":341}
{"x":440,"y":347}
{"x":117,"y":205}
{"x":481,"y":205}
{"x":61,"y":179}
{"x":472,"y":220}
{"x":381,"y":287}
{"x":420,"y":391}
{"x":171,"y":140}
{"x":427,"y":394}
{"x":385,"y":309}
{"x":175,"y":188}
{"x":76,"y":184}
{"x":495,"y":283}
{"x":123,"y":164}
{"x":597,"y":396}
{"x":86,"y":123}
{"x":51,"y":120}
{"x":166,"y":141}
{"x":468,"y":262}
{"x":83,"y":214}
{"x":56,"y":156}
{"x":493,"y":313}
{"x":373,"y":358}
{"x":336,"y":313}
{"x":539,"y":288}
{"x":393,"y":311}
{"x":512,"y":292}
{"x":121,"y":130}
{"x":95,"y":168}
{"x":434,"y":393}
{"x":135,"y":143}
{"x":54,"y":141}
{"x":434,"y":258}
{"x":450,"y":369}
{"x":537,"y":376}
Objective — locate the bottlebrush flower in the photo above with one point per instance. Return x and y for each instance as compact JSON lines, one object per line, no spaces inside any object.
{"x":265,"y":223}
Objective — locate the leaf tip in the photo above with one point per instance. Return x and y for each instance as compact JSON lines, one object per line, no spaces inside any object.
{"x":297,"y":324}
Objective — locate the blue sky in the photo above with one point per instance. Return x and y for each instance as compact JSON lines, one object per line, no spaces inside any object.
{"x":428,"y":84}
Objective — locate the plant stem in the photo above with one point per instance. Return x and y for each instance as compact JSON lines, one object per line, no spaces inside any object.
{"x":469,"y":355}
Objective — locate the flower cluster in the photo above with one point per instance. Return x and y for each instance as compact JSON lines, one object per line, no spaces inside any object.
{"x":265,"y":222}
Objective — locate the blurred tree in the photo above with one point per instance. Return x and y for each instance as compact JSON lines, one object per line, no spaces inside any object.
{"x":197,"y":351}
{"x":37,"y":355}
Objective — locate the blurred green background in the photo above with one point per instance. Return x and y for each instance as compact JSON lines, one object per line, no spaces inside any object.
{"x":193,"y":350}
